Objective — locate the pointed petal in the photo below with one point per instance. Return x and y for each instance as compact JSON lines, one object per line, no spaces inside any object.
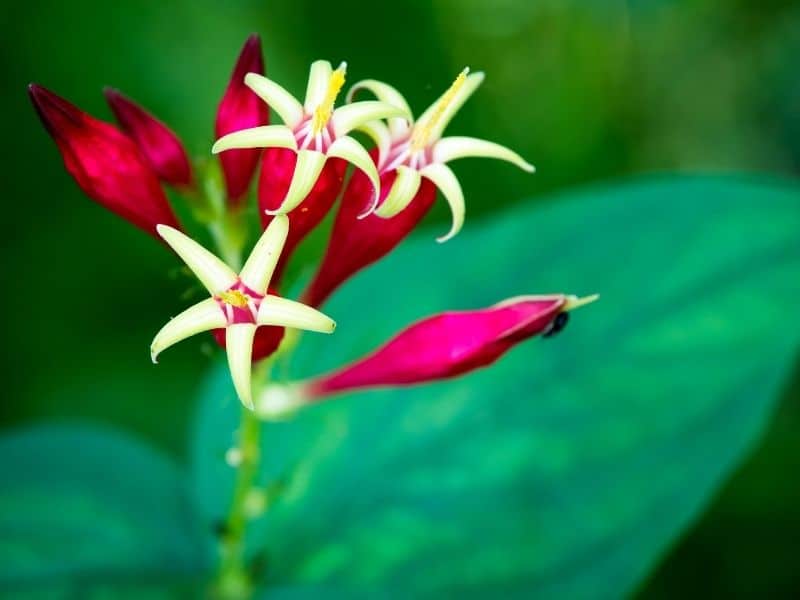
{"x":318,"y":78}
{"x":239,"y":347}
{"x":403,"y":190}
{"x":306,"y":171}
{"x":214,"y":274}
{"x":282,"y":102}
{"x":381,"y":136}
{"x":444,"y":179}
{"x":275,"y":310}
{"x":456,"y":102}
{"x":351,"y":116}
{"x":268,"y":136}
{"x":573,"y":302}
{"x":258,"y":269}
{"x":452,"y":148}
{"x":388,"y":94}
{"x":354,"y":153}
{"x":203,"y":316}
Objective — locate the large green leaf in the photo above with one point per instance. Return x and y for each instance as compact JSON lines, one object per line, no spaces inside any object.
{"x":566,"y":469}
{"x":87,"y":512}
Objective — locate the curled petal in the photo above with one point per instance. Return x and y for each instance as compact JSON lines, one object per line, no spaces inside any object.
{"x":281,"y":101}
{"x":403,"y":190}
{"x":350,"y":150}
{"x":159,"y":144}
{"x":107,"y":165}
{"x":386,"y":93}
{"x":447,"y":345}
{"x":351,"y":116}
{"x":240,"y":109}
{"x":214,"y":274}
{"x":452,"y":148}
{"x":203,"y":316}
{"x":381,"y":136}
{"x":268,"y":136}
{"x":258,"y":269}
{"x":307,"y":169}
{"x":319,"y":77}
{"x":275,"y":310}
{"x":446,"y":181}
{"x":442,"y":120}
{"x":239,"y":347}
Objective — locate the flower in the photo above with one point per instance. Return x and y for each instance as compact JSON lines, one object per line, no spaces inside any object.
{"x":241,"y":108}
{"x":239,"y":303}
{"x":411,"y":160}
{"x":106,"y":164}
{"x":314,"y":130}
{"x":157,"y":142}
{"x":438,"y":347}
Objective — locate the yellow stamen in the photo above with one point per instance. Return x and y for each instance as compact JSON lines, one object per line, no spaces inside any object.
{"x":419,"y":138}
{"x":323,"y":112}
{"x":234,"y":298}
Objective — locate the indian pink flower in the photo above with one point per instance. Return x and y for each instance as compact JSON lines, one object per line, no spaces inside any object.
{"x":304,"y":158}
{"x":107,"y":165}
{"x":411,"y":158}
{"x":158,"y":143}
{"x":438,"y":347}
{"x":239,"y":303}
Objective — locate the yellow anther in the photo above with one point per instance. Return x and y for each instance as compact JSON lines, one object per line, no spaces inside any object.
{"x":234,"y":298}
{"x":419,"y":139}
{"x":323,"y":112}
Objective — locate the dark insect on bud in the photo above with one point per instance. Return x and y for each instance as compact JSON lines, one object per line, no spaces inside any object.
{"x":557,"y":324}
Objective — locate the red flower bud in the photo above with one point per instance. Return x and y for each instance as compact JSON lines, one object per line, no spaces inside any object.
{"x":240,"y":109}
{"x":450,"y":344}
{"x":159,"y":144}
{"x":277,"y":169}
{"x":105,"y":162}
{"x":357,"y":243}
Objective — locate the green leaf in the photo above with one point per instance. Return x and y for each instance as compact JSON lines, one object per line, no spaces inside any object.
{"x":567,"y":468}
{"x":86,"y":511}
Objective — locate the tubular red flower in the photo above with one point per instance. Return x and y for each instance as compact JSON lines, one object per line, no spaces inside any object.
{"x":106,"y":164}
{"x":448,"y":344}
{"x":159,"y":144}
{"x":277,"y":170}
{"x":357,"y":243}
{"x":240,"y":109}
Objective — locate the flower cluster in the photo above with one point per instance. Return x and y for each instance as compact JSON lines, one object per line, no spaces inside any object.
{"x":303,"y":165}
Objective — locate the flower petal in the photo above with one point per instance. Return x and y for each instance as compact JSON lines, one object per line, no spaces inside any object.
{"x":386,"y":93}
{"x":268,"y":136}
{"x":463,"y":93}
{"x":351,"y":116}
{"x":350,"y":150}
{"x":381,"y":136}
{"x":159,"y":144}
{"x":452,"y":148}
{"x":444,"y":179}
{"x":319,"y":76}
{"x":258,"y":269}
{"x":281,"y":101}
{"x":403,"y":190}
{"x":214,"y":274}
{"x":306,"y":171}
{"x":275,"y":310}
{"x":239,"y":347}
{"x":203,"y":316}
{"x":445,"y":345}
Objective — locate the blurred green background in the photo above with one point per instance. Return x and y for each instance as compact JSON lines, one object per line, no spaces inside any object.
{"x":586,"y":90}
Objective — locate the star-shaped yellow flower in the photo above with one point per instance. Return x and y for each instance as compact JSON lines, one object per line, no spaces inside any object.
{"x":239,"y":303}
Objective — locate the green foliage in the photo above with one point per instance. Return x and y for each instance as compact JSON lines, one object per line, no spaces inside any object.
{"x":569,"y":466}
{"x":84,"y":511}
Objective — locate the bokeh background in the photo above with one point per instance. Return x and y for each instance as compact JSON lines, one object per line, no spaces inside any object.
{"x":587,"y":90}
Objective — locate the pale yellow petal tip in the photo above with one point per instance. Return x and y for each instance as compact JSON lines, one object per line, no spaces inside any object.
{"x":527,"y":167}
{"x":164,"y":230}
{"x":573,"y":302}
{"x":154,"y":355}
{"x":447,"y":237}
